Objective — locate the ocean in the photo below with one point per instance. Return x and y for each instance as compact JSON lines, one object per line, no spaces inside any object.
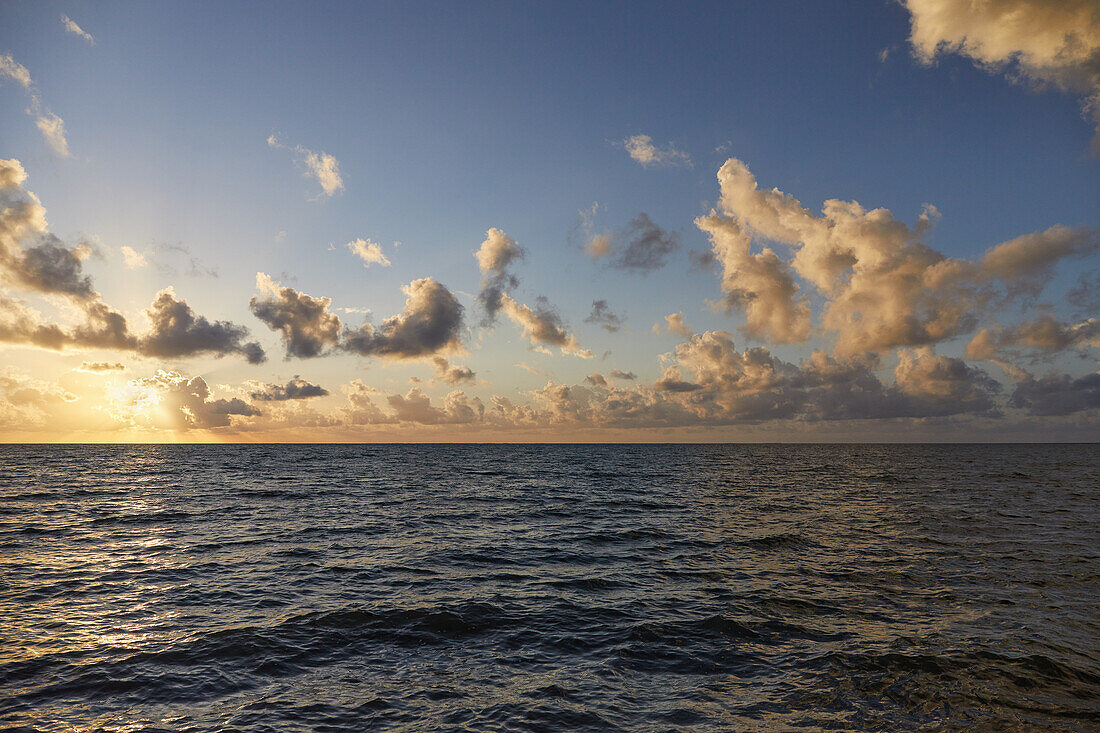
{"x":549,"y":587}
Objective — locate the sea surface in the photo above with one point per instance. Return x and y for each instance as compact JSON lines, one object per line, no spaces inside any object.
{"x":549,"y":587}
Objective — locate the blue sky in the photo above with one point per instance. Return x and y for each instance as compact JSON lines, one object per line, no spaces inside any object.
{"x":449,"y":119}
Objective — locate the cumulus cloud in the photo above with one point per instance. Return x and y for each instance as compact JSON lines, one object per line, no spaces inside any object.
{"x":50,"y":125}
{"x":132,"y":259}
{"x":35,"y":261}
{"x":72,"y":27}
{"x":320,"y":166}
{"x":369,"y":251}
{"x":604,"y":316}
{"x":304,"y":322}
{"x":431,"y":322}
{"x":642,"y":150}
{"x":413,"y":408}
{"x":451,"y":373}
{"x":26,"y":402}
{"x":295,"y":389}
{"x":761,"y":285}
{"x":542,"y":326}
{"x":178,"y":331}
{"x":495,"y":257}
{"x":675,"y":323}
{"x":1057,"y":394}
{"x":1027,"y":261}
{"x":883,"y":287}
{"x":1044,"y":334}
{"x":1036,"y":41}
{"x":171,"y":401}
{"x":620,"y":374}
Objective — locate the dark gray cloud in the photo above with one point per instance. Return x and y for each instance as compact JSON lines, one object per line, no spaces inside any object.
{"x":620,"y":374}
{"x":177,"y":331}
{"x":596,"y":380}
{"x":430,"y":322}
{"x":50,"y":267}
{"x":452,"y":373}
{"x":644,"y":246}
{"x":1057,"y":394}
{"x":295,"y":389}
{"x":304,"y":322}
{"x":604,"y":316}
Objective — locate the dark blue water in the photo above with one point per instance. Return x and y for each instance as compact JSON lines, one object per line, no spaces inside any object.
{"x":550,"y":588}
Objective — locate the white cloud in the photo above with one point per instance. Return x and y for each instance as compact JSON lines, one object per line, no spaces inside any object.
{"x":72,"y":27}
{"x":133,"y":258}
{"x":1041,"y":41}
{"x":642,"y":149}
{"x":369,"y":251}
{"x":52,"y":128}
{"x":15,"y":71}
{"x":321,"y":166}
{"x":50,"y":125}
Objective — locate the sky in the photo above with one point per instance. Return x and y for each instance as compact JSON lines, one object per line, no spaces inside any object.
{"x":740,"y":221}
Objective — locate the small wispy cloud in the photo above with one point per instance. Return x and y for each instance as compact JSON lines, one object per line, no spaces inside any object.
{"x":319,"y":165}
{"x":642,"y":149}
{"x":52,"y":128}
{"x":50,"y":125}
{"x":72,"y":27}
{"x":369,"y":251}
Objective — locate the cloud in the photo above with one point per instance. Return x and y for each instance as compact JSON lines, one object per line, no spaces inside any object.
{"x":52,"y":128}
{"x":452,"y":373}
{"x":100,"y":367}
{"x":49,"y":268}
{"x":596,"y":244}
{"x":643,"y":246}
{"x":1057,"y":394}
{"x":320,"y":166}
{"x":1043,"y":334}
{"x":304,"y":322}
{"x":620,"y":374}
{"x":72,"y":27}
{"x":603,"y":315}
{"x":761,"y":285}
{"x":177,"y":331}
{"x":542,"y":325}
{"x":430,"y":322}
{"x":169,"y":400}
{"x":295,"y":389}
{"x":132,"y":258}
{"x":882,"y":286}
{"x":494,"y":258}
{"x":17,"y":72}
{"x":50,"y":125}
{"x":369,"y":251}
{"x":416,"y":407}
{"x":675,"y":324}
{"x":1027,"y":262}
{"x":1037,"y":41}
{"x":596,"y":380}
{"x":642,"y":150}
